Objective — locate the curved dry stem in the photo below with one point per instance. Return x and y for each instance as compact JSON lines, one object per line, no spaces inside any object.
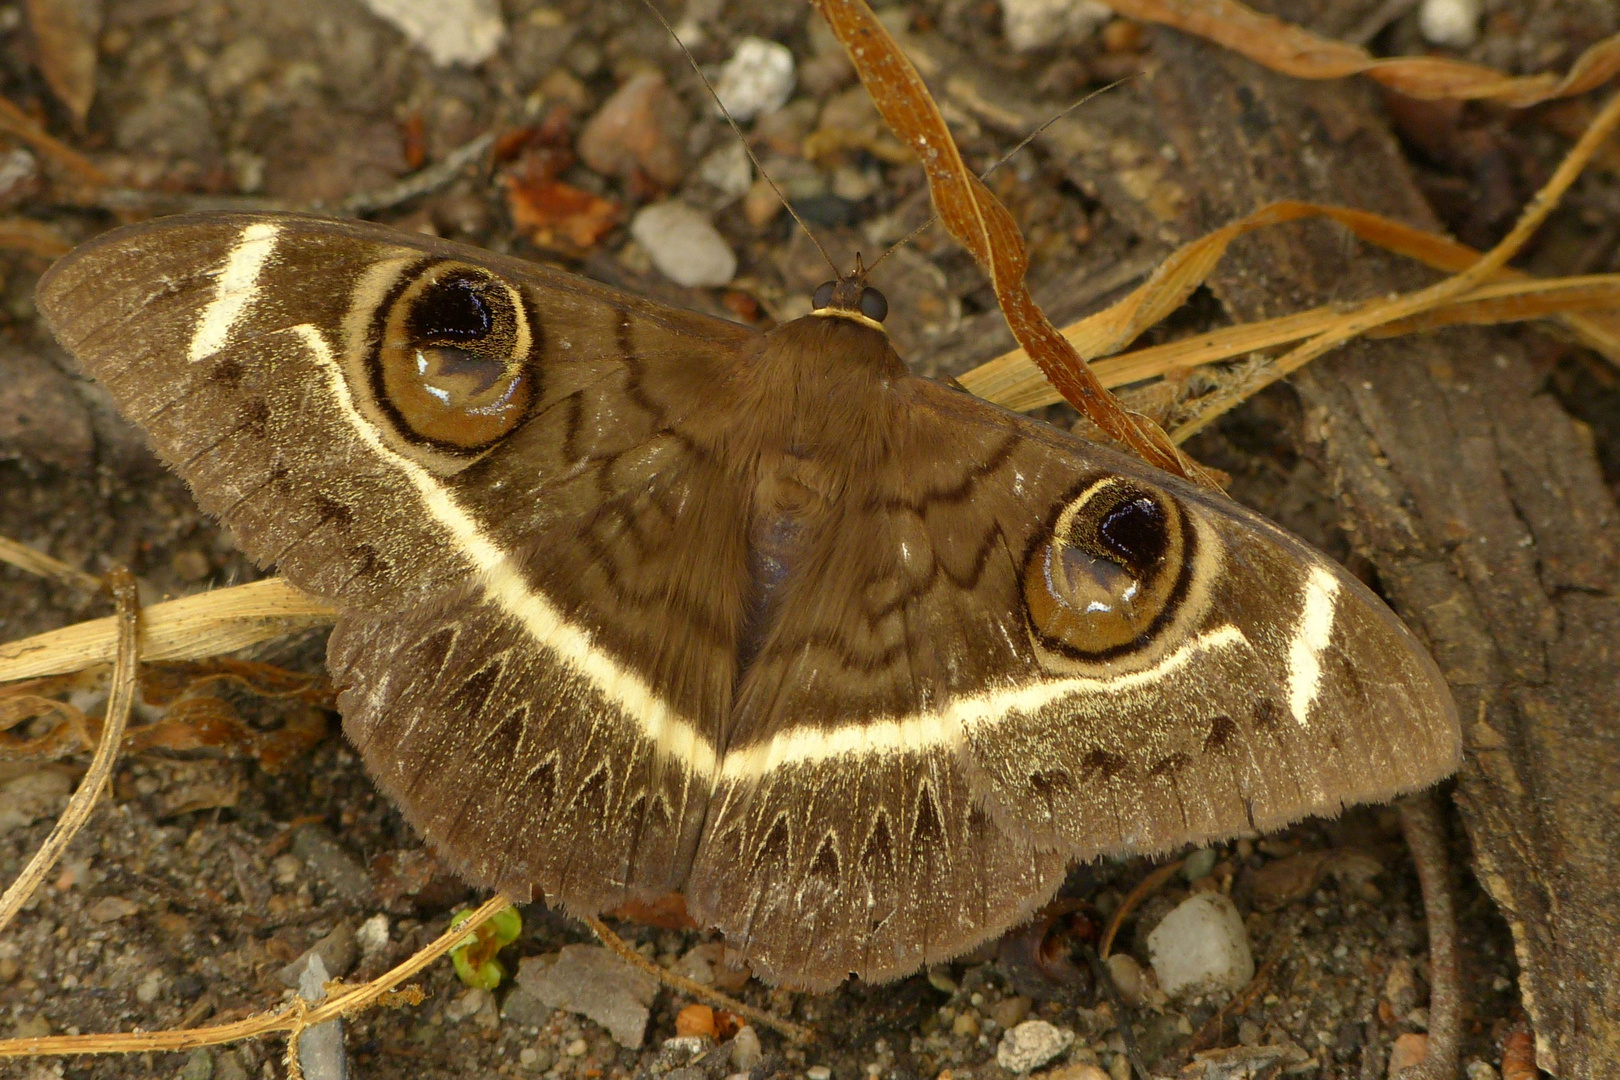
{"x":295,"y":1017}
{"x":1144,"y":888}
{"x":37,"y":562}
{"x":78,"y":809}
{"x":797,"y":1032}
{"x":1435,"y":295}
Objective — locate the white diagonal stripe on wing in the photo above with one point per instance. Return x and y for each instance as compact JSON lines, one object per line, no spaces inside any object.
{"x":1311,"y":636}
{"x":237,"y":284}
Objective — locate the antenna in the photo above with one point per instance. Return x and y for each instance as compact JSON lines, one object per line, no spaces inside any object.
{"x":749,"y":150}
{"x":1008,"y":156}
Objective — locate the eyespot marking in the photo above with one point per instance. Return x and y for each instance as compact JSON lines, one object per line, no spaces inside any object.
{"x":452,"y":365}
{"x":1108,"y":570}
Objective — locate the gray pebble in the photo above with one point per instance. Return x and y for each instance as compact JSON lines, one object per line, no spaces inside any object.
{"x":525,"y":1010}
{"x":321,"y":852}
{"x":320,"y":1048}
{"x":199,"y":1066}
{"x":1198,"y":864}
{"x":589,"y":980}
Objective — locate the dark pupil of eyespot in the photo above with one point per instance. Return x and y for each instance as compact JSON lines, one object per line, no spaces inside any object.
{"x":823,"y":295}
{"x":874,"y":305}
{"x":1135,"y":531}
{"x":452,"y":310}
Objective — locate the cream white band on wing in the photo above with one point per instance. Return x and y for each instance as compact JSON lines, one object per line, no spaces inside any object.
{"x":504,"y":585}
{"x":235,"y":287}
{"x":947,"y":728}
{"x":1311,"y":636}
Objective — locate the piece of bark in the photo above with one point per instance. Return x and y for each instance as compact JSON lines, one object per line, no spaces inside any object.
{"x":1472,"y":494}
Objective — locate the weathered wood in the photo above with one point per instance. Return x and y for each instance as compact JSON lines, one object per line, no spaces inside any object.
{"x":1474,"y":496}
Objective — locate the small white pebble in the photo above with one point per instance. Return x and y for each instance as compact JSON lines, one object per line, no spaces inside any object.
{"x":1201,"y":947}
{"x":528,"y":1056}
{"x":818,"y":1072}
{"x":150,"y":986}
{"x":449,"y":31}
{"x":1031,"y":1045}
{"x":372,"y":936}
{"x":1450,"y":22}
{"x":576,"y":1048}
{"x":683,"y":245}
{"x":757,"y":80}
{"x":1035,"y":24}
{"x":728,"y":170}
{"x":746,"y":1051}
{"x":284,"y":868}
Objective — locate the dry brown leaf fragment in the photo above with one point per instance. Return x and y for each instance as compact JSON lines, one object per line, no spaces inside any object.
{"x":973,"y":215}
{"x":65,"y":35}
{"x":1293,"y":50}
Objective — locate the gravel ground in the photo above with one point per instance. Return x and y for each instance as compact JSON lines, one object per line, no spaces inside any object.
{"x":206,"y":874}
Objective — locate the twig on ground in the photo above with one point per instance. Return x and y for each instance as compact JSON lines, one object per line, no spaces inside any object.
{"x":1143,"y":890}
{"x":340,"y":1001}
{"x":680,"y":983}
{"x":1425,"y":835}
{"x":422,"y":182}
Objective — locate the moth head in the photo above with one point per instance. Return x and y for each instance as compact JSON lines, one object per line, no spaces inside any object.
{"x":452,"y":358}
{"x":1107,"y":571}
{"x":849,"y":296}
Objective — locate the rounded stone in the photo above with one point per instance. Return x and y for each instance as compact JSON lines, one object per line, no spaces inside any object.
{"x":684,"y":245}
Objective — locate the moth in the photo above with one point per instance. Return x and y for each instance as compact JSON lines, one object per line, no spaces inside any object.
{"x":636,"y":600}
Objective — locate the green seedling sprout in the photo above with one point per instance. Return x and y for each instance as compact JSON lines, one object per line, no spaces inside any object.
{"x":474,"y":958}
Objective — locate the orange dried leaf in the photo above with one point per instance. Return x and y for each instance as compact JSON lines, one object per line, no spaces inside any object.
{"x":667,"y":912}
{"x":696,"y":1020}
{"x":559,"y":216}
{"x":1292,"y":50}
{"x":985,"y":228}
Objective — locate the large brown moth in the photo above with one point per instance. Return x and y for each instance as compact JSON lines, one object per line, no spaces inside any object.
{"x":637,"y":600}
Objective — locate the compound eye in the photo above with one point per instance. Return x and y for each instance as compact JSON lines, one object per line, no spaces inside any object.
{"x":874,"y":305}
{"x":823,"y":295}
